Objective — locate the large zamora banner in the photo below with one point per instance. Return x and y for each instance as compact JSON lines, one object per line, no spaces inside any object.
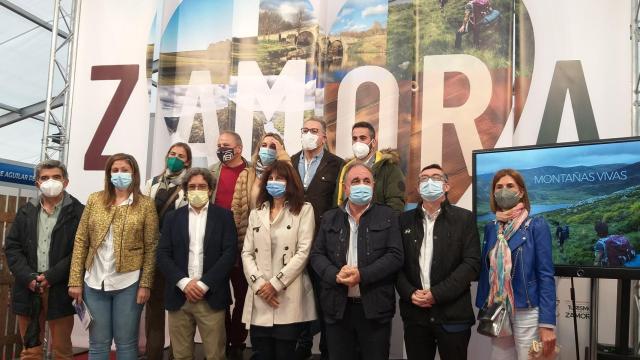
{"x":438,"y":78}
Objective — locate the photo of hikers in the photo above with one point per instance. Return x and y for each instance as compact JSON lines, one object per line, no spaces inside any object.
{"x":590,"y":201}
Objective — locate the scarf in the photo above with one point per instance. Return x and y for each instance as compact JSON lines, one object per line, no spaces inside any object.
{"x":259,"y":168}
{"x":166,"y":185}
{"x":173,"y":178}
{"x":508,"y":222}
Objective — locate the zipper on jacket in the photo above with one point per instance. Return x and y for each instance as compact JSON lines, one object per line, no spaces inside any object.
{"x":341,"y":238}
{"x":524,"y":280}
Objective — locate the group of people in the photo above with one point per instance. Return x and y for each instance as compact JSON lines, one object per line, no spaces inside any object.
{"x":309,"y":244}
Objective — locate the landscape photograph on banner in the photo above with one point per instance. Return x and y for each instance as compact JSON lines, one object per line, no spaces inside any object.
{"x":471,"y":42}
{"x":287,"y":30}
{"x":589,"y":194}
{"x":195,"y":52}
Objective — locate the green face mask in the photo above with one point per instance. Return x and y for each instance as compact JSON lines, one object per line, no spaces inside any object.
{"x":175,"y":164}
{"x":507,"y":198}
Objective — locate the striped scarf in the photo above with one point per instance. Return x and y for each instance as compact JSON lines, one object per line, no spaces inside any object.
{"x":500,"y":256}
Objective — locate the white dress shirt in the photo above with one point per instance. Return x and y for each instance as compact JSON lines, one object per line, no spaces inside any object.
{"x":426,"y":250}
{"x":197,"y":228}
{"x":352,"y":250}
{"x":103,"y":275}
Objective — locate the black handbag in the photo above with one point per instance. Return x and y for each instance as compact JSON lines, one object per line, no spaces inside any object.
{"x":494,"y":320}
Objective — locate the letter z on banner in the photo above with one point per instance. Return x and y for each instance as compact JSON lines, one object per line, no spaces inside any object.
{"x":110,"y":105}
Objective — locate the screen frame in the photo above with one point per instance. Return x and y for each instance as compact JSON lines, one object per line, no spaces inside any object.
{"x":586,"y":271}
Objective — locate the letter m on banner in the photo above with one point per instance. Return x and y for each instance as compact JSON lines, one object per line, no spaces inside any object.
{"x":286,"y":94}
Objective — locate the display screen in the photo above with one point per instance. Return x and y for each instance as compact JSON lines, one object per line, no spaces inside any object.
{"x":589,"y":193}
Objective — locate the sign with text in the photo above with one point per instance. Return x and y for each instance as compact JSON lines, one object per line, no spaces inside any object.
{"x":438,"y":79}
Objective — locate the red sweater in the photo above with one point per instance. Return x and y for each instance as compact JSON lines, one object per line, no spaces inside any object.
{"x":227,"y":184}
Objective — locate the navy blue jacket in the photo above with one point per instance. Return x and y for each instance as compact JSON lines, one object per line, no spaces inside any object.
{"x":380,"y":257}
{"x":219,"y":255}
{"x":532,"y":272}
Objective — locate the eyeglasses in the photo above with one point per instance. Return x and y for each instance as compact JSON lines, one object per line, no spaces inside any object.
{"x":197,"y":187}
{"x":313,"y":131}
{"x":432,"y":177}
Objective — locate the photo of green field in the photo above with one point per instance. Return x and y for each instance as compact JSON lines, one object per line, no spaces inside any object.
{"x":573,"y":188}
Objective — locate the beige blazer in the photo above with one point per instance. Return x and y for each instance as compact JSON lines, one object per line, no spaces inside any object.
{"x":278,"y":253}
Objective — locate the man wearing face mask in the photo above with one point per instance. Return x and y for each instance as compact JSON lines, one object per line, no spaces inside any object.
{"x":442,"y":258}
{"x":385,"y":164}
{"x":225,"y":173}
{"x":225,"y":176}
{"x":38,"y":249}
{"x":196,"y":252}
{"x":318,"y":170}
{"x":357,"y":254}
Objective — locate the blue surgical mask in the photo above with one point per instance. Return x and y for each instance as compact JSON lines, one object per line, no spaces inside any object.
{"x":267,"y":155}
{"x":431,"y":190}
{"x":276,"y":188}
{"x":360,"y":194}
{"x":121,"y":180}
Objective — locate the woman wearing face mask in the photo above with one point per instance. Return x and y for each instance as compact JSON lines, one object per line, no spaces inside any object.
{"x":517,"y":269}
{"x":274,"y":258}
{"x":168,"y":194}
{"x":247,"y":188}
{"x":113,"y":260}
{"x":165,"y":189}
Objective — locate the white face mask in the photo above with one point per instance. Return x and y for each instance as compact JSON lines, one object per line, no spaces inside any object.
{"x":360,"y":150}
{"x":309,"y":141}
{"x":51,"y":188}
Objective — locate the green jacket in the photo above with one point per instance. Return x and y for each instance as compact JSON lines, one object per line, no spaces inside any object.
{"x":389,"y":180}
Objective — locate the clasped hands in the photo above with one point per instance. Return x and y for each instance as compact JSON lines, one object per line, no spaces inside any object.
{"x":423,"y":298}
{"x":348,"y":275}
{"x":269,"y":294}
{"x":193,"y":292}
{"x":39,"y":284}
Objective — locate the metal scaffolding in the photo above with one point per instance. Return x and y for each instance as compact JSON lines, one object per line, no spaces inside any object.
{"x":55,"y":144}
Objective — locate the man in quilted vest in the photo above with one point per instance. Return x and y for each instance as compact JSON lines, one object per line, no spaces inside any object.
{"x":225,"y":175}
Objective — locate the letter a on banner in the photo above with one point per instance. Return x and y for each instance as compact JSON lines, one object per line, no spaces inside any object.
{"x":199,"y":101}
{"x":568,"y":77}
{"x":435,"y":115}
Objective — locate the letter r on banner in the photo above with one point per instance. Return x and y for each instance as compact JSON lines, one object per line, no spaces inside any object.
{"x":435,"y":115}
{"x":286,"y":94}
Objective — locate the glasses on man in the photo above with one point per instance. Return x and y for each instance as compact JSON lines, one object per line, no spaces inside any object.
{"x":432,"y":177}
{"x":313,"y":131}
{"x":197,"y":187}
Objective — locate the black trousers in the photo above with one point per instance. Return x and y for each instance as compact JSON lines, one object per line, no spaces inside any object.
{"x":277,"y":342}
{"x":316,"y":326}
{"x":355,"y":334}
{"x":421,"y":342}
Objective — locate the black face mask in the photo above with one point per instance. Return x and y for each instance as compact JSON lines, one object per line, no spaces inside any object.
{"x":225,"y":154}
